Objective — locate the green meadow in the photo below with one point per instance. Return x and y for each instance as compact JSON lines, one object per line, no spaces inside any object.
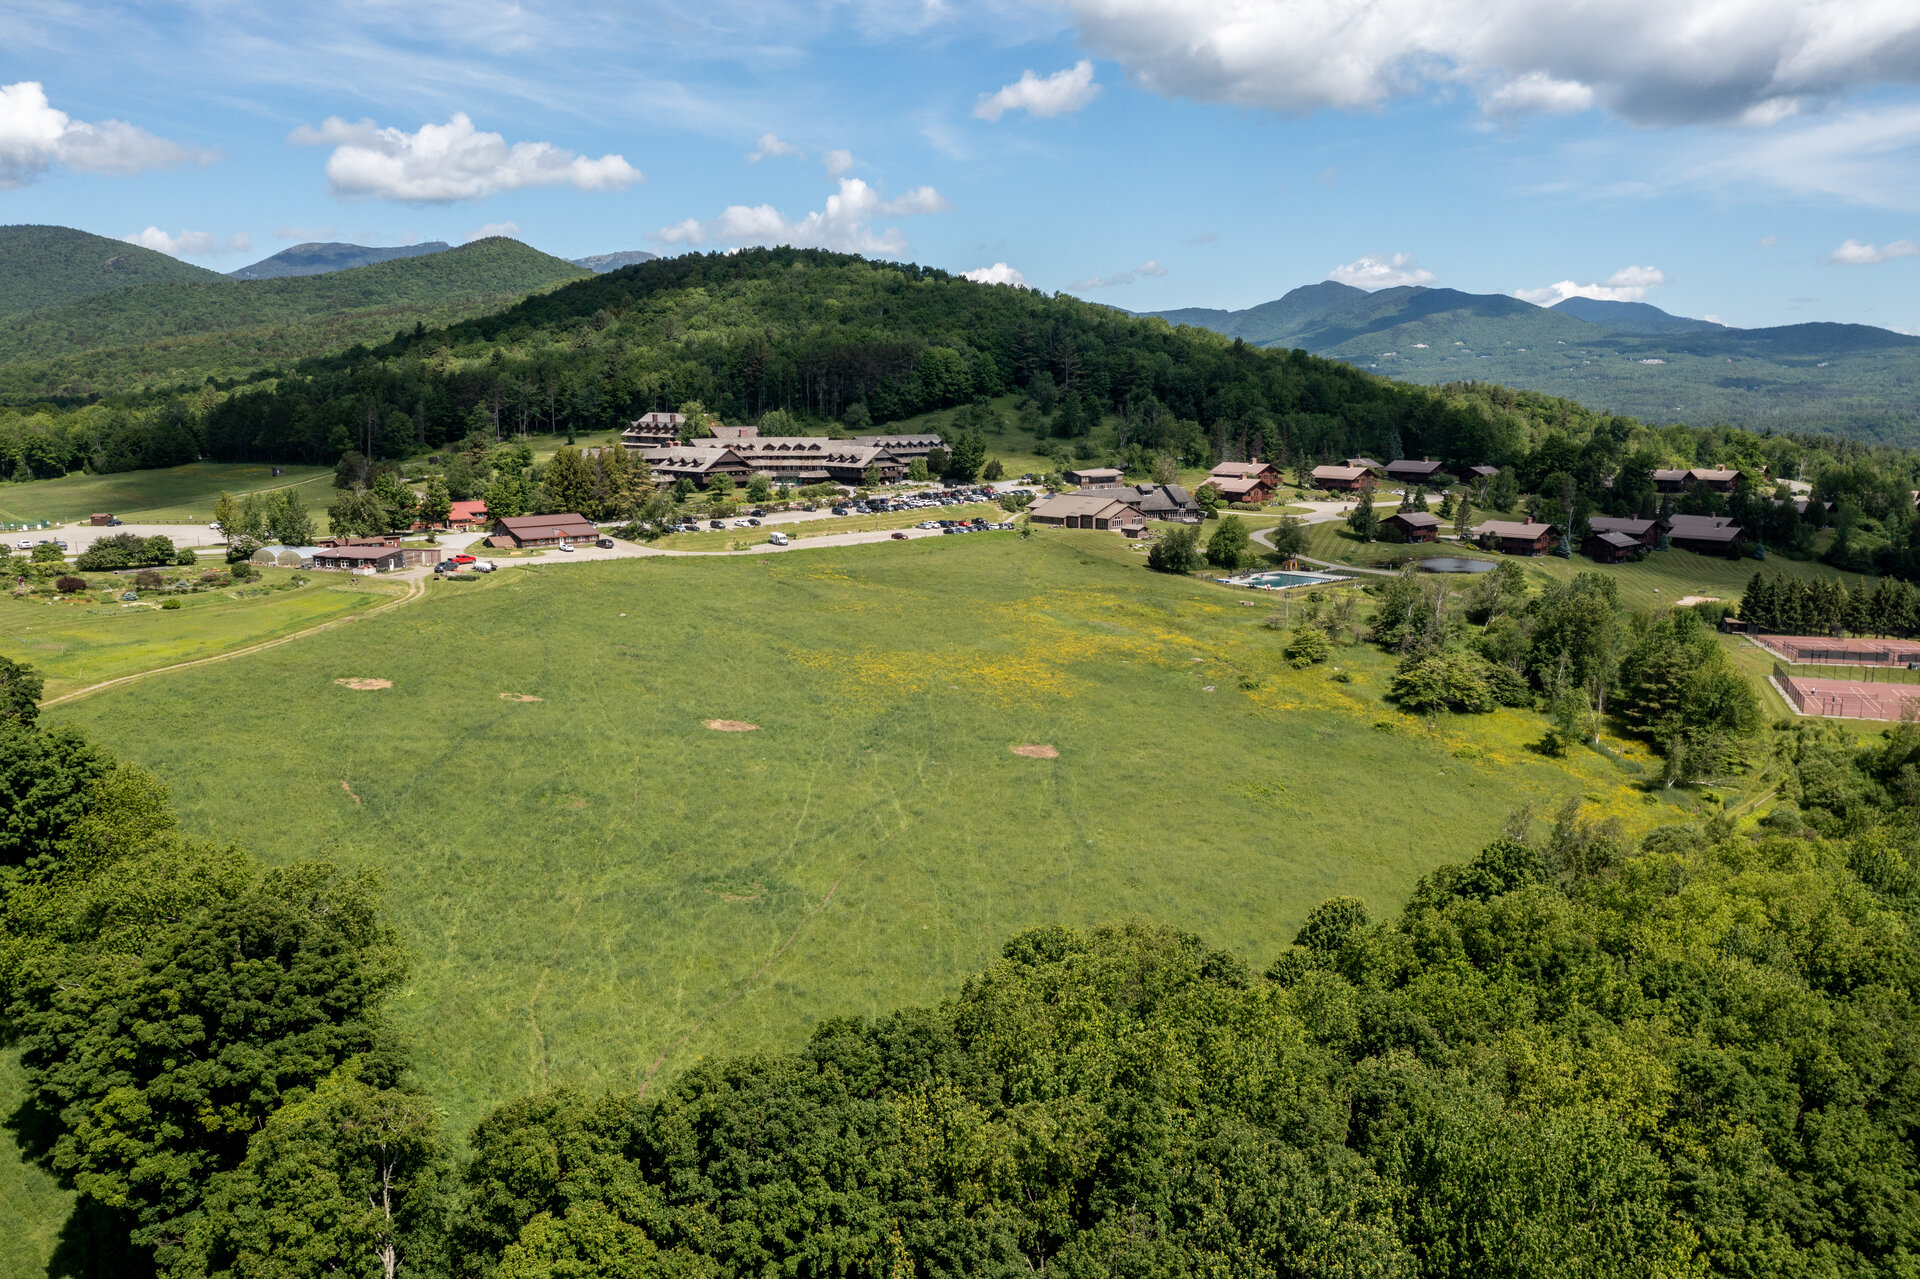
{"x":598,"y":888}
{"x":170,"y":495}
{"x":78,"y":641}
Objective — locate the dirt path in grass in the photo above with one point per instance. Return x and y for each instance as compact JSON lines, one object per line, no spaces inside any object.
{"x":416,"y":581}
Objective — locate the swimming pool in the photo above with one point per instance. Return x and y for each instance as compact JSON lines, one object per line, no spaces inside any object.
{"x":1281,"y":581}
{"x":1451,"y":564}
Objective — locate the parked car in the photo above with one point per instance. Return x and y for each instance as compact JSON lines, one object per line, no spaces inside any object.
{"x":757,"y":511}
{"x":778,"y":539}
{"x":716,"y":523}
{"x":900,"y":535}
{"x":446,"y":566}
{"x":605,"y":544}
{"x":461,"y":559}
{"x":567,"y":547}
{"x":26,"y":544}
{"x":754,"y":523}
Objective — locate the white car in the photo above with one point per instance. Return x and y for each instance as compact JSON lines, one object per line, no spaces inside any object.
{"x":567,"y":547}
{"x":26,"y":544}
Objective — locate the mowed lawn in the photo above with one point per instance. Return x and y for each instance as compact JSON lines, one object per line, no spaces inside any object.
{"x":1660,"y":579}
{"x":73,"y":644}
{"x":173,"y":495}
{"x":598,"y":889}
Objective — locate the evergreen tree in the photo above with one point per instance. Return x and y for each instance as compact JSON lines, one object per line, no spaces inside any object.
{"x":567,"y":485}
{"x":1364,"y":520}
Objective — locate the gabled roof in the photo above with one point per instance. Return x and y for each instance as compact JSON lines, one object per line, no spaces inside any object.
{"x":1339,"y":472}
{"x":657,"y":419}
{"x":1483,"y":470}
{"x":1096,"y":471}
{"x":1619,"y":541}
{"x":1365,"y":462}
{"x":1097,"y":503}
{"x":1525,"y":532}
{"x":355,"y":552}
{"x":691,"y":457}
{"x":1617,"y":524}
{"x":899,"y":441}
{"x":1415,"y":519}
{"x":472,"y":510}
{"x":1694,"y":523}
{"x":568,"y":524}
{"x":1228,"y":485}
{"x":1720,"y":531}
{"x":1426,"y":466}
{"x":1241,"y":470}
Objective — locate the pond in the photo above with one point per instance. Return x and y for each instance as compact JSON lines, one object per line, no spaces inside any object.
{"x":1454,"y":564}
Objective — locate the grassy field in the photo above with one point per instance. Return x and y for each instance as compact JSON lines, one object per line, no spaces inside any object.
{"x":74,"y":643}
{"x":1662,"y":578}
{"x":173,"y":495}
{"x":36,"y":1207}
{"x":627,"y":890}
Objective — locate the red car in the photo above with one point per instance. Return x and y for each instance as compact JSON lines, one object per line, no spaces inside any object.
{"x":462,"y":559}
{"x":899,"y":537}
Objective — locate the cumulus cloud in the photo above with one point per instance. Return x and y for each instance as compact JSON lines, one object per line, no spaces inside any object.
{"x":490,"y":230}
{"x":35,"y":136}
{"x":838,"y":161}
{"x":1058,"y":94}
{"x":998,"y":273}
{"x":442,"y":163}
{"x":1768,"y":241}
{"x":845,"y":225}
{"x":1854,"y":253}
{"x":1628,"y":284}
{"x":1649,"y":61}
{"x":196,"y":244}
{"x":1150,"y":267}
{"x":769,"y":145}
{"x":1377,"y":272}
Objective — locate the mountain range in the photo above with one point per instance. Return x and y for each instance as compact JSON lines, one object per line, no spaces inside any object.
{"x":318,"y":258}
{"x":1625,"y":357}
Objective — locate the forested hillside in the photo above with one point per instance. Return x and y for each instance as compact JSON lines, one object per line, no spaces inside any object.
{"x":1625,"y":358}
{"x":1568,"y":1057}
{"x":42,"y":266}
{"x":180,"y":332}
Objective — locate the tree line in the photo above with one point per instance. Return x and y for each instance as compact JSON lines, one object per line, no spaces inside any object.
{"x":1569,"y":1056}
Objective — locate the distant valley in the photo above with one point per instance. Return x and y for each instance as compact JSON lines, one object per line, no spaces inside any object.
{"x":1626,"y":357}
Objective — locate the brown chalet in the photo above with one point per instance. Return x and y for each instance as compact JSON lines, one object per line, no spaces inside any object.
{"x":522,"y":531}
{"x":1419,"y":526}
{"x":1093,"y":477}
{"x":1239,"y":488}
{"x":1482,"y":472}
{"x":1706,"y":535}
{"x":1426,"y":471}
{"x":1645,"y":532}
{"x":1515,"y":538}
{"x":1093,"y":509}
{"x":1342,"y":479}
{"x":1674,"y":481}
{"x":1610,"y":548}
{"x":653,"y":431}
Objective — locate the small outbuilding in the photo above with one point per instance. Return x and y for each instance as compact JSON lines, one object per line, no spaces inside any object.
{"x":1426,"y":471}
{"x":1092,"y":477}
{"x":359,"y":559}
{"x":1085,"y":510}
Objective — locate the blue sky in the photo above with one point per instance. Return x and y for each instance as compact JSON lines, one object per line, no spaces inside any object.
{"x":1753,"y":160}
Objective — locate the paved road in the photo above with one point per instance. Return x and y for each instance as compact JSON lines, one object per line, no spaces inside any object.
{"x":79,"y":537}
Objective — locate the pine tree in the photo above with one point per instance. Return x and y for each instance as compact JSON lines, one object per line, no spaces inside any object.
{"x":1757,"y":605}
{"x":568,"y":483}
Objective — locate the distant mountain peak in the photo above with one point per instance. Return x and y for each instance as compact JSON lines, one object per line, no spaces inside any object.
{"x":601,"y":263}
{"x":1630,"y":317}
{"x":320,"y":258}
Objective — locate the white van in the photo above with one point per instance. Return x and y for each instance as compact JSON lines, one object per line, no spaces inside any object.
{"x":778,"y":539}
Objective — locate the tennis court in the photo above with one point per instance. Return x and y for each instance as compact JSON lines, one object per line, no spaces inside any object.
{"x":1848,"y":699}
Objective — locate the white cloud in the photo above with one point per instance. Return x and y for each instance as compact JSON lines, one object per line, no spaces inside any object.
{"x":1058,"y":94}
{"x":1649,"y":61}
{"x":769,"y":145}
{"x":838,"y":161}
{"x":1147,"y":268}
{"x":1853,"y":253}
{"x":1768,"y":241}
{"x":1628,"y":284}
{"x":998,"y":273}
{"x":1375,"y":272}
{"x":1872,"y":156}
{"x":845,"y":225}
{"x":1205,"y":237}
{"x":35,"y":136}
{"x":453,"y":161}
{"x":194,"y":244}
{"x":489,"y":230}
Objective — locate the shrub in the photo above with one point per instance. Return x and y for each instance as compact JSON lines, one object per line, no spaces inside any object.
{"x":1308,"y":647}
{"x":1230,"y":545}
{"x":169,"y":603}
{"x":1177,"y":552}
{"x":241,"y":548}
{"x":48,"y":553}
{"x":69,"y":585}
{"x":1444,"y":681}
{"x":243,"y":571}
{"x":148,"y":579}
{"x":185,"y":558}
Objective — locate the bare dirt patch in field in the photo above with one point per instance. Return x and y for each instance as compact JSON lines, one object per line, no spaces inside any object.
{"x":520,"y":697}
{"x":363,"y":685}
{"x":1690,"y":600}
{"x":731,"y":726}
{"x":1037,"y":750}
{"x":349,"y":790}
